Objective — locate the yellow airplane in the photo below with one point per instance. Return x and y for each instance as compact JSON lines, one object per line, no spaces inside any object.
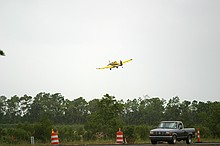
{"x":115,"y":64}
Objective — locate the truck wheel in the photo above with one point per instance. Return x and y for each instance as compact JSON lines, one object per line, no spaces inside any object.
{"x":189,"y":139}
{"x":153,"y":142}
{"x":173,"y":141}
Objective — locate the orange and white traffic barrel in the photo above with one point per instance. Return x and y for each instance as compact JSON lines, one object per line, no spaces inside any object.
{"x":198,"y":135}
{"x":119,"y":137}
{"x":54,"y":138}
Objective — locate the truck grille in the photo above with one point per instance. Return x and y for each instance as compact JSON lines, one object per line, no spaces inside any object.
{"x":160,"y":133}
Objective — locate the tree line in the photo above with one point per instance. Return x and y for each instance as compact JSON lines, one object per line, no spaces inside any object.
{"x":100,"y":118}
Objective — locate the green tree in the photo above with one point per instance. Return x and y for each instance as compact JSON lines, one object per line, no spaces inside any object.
{"x":13,"y":112}
{"x":210,"y":116}
{"x":131,"y":112}
{"x":108,"y":117}
{"x":193,"y":108}
{"x":202,"y":111}
{"x":49,"y":106}
{"x":149,"y":107}
{"x":25,"y":105}
{"x":56,"y":106}
{"x":92,"y":106}
{"x":143,"y":111}
{"x":186,"y":113}
{"x":215,"y":116}
{"x":172,"y":110}
{"x":76,"y":111}
{"x":3,"y":107}
{"x":81,"y":106}
{"x":38,"y":108}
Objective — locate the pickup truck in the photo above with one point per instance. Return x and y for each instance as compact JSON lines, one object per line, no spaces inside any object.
{"x":171,"y":131}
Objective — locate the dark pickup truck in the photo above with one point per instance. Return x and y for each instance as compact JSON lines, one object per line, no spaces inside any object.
{"x":171,"y":131}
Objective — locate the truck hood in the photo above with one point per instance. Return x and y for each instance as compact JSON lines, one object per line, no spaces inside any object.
{"x":162,"y":130}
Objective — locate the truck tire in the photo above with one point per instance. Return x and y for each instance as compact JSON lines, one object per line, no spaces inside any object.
{"x":173,"y":141}
{"x":153,"y":142}
{"x":189,"y":139}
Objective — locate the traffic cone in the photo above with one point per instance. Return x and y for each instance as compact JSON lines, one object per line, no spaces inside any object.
{"x":54,"y":138}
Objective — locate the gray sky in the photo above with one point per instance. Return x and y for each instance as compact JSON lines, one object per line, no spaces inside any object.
{"x":56,"y":45}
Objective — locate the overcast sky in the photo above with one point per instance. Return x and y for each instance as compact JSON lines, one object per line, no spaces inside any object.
{"x":55,"y":46}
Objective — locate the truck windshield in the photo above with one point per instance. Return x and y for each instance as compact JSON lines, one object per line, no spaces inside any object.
{"x":170,"y":125}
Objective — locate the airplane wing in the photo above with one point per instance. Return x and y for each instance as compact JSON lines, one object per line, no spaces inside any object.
{"x":109,"y":66}
{"x":126,"y":61}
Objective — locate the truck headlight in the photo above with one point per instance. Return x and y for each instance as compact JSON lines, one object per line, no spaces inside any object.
{"x":151,"y":132}
{"x":168,"y":133}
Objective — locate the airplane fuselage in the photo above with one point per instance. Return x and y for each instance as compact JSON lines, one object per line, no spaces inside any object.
{"x":115,"y":63}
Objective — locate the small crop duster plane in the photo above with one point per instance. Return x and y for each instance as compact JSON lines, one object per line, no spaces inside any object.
{"x":115,"y":64}
{"x":2,"y":53}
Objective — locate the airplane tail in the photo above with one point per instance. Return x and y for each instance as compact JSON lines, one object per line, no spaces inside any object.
{"x":121,"y":63}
